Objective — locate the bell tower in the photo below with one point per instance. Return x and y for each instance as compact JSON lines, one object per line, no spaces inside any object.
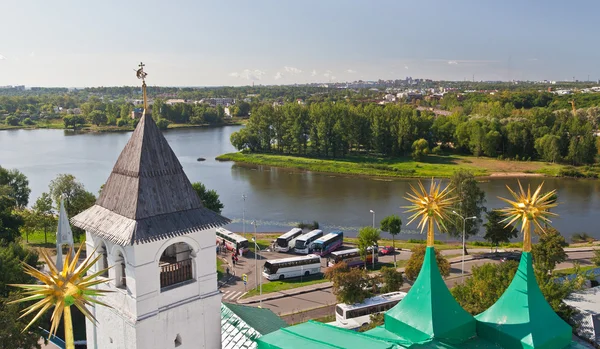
{"x":151,"y":228}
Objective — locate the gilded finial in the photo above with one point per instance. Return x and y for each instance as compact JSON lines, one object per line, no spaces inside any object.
{"x":529,"y":209}
{"x":430,"y":207}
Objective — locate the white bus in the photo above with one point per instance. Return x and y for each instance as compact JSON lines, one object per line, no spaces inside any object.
{"x":287,"y":240}
{"x":232,"y":241}
{"x":352,"y":316}
{"x":304,"y":242}
{"x":279,"y":269}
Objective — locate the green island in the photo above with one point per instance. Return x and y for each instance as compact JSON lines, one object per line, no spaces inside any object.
{"x":432,"y":166}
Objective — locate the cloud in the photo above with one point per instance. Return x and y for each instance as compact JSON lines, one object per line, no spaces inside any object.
{"x":32,"y":54}
{"x":327,"y":73}
{"x":405,"y":66}
{"x":278,"y":76}
{"x":292,"y":70}
{"x":533,"y":59}
{"x":314,"y":73}
{"x":248,"y":74}
{"x":2,"y":58}
{"x":350,"y":71}
{"x":463,"y":61}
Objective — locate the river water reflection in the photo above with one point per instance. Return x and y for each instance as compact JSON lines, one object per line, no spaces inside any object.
{"x":276,"y":198}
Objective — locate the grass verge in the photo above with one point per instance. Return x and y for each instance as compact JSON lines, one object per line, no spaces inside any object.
{"x":368,"y":165}
{"x":276,"y":286}
{"x":569,"y":271}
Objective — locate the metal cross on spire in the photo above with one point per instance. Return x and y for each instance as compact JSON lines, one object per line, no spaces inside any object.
{"x":140,"y":73}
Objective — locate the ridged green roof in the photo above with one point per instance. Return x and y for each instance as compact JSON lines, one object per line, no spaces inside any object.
{"x":429,"y":310}
{"x":522,"y":318}
{"x":261,"y":320}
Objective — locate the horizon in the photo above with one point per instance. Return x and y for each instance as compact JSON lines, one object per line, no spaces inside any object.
{"x":236,"y":43}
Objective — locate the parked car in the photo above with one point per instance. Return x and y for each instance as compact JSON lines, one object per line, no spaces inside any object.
{"x":386,"y":250}
{"x":512,"y":256}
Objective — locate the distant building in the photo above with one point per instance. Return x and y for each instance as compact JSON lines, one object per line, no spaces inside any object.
{"x":174,"y":101}
{"x":137,"y":113}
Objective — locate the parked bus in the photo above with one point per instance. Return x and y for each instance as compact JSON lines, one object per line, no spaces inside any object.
{"x":328,"y":243}
{"x":279,"y":269}
{"x":304,"y":244}
{"x":352,"y":316}
{"x":232,"y":241}
{"x":351,"y":257}
{"x":287,"y":240}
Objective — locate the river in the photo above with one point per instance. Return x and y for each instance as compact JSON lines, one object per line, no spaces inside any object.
{"x":276,"y":198}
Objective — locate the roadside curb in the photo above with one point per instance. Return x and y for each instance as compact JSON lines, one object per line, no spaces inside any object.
{"x":278,"y":295}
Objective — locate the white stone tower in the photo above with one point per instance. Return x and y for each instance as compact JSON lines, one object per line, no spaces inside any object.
{"x":152,"y":230}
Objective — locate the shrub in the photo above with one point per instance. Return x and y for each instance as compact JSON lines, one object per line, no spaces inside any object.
{"x":163,"y":124}
{"x":415,"y":262}
{"x":28,"y":121}
{"x":122,"y":122}
{"x":12,"y":121}
{"x":437,"y":150}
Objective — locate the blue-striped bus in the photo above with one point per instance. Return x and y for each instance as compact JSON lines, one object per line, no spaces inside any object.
{"x":328,"y":243}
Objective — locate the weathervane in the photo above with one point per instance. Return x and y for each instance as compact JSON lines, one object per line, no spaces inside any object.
{"x":141,"y":74}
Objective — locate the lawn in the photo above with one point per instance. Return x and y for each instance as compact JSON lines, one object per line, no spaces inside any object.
{"x":220,"y":268}
{"x":366,"y":165}
{"x":276,"y":286}
{"x":569,"y":271}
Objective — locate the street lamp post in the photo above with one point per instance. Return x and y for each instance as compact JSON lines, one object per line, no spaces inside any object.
{"x":463,"y":240}
{"x":244,"y":213}
{"x":373,"y":252}
{"x":257,"y":279}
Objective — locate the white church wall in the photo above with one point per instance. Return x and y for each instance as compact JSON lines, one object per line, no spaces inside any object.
{"x":143,"y":315}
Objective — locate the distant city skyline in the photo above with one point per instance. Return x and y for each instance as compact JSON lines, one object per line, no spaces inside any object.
{"x":218,"y":43}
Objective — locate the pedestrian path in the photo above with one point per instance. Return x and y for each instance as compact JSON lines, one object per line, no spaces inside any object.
{"x":232,"y":296}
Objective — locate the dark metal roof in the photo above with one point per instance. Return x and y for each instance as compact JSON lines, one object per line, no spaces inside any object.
{"x":147,"y":196}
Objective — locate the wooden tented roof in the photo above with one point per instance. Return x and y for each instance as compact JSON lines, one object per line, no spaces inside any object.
{"x":147,"y":196}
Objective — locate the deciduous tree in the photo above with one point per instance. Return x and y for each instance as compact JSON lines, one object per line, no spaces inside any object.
{"x":209,"y":198}
{"x":415,"y":262}
{"x":469,"y":202}
{"x":549,"y":251}
{"x":391,"y":278}
{"x":77,"y":199}
{"x":18,"y":183}
{"x":420,"y":148}
{"x":392,"y":224}
{"x":367,"y":237}
{"x":348,"y":284}
{"x":497,"y":232}
{"x":11,"y":325}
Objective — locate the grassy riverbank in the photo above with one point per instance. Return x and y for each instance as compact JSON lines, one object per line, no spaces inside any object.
{"x":58,"y":124}
{"x":431,"y":166}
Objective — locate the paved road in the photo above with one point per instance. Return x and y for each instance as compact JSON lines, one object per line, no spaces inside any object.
{"x":320,"y":303}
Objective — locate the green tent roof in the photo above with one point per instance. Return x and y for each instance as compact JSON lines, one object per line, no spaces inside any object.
{"x":522,"y":318}
{"x":262,"y":320}
{"x":313,"y":335}
{"x":429,"y":310}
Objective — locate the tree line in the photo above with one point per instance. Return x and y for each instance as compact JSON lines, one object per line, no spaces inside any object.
{"x":341,"y":129}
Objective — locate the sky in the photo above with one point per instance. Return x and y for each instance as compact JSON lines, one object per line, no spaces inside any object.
{"x":71,"y":43}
